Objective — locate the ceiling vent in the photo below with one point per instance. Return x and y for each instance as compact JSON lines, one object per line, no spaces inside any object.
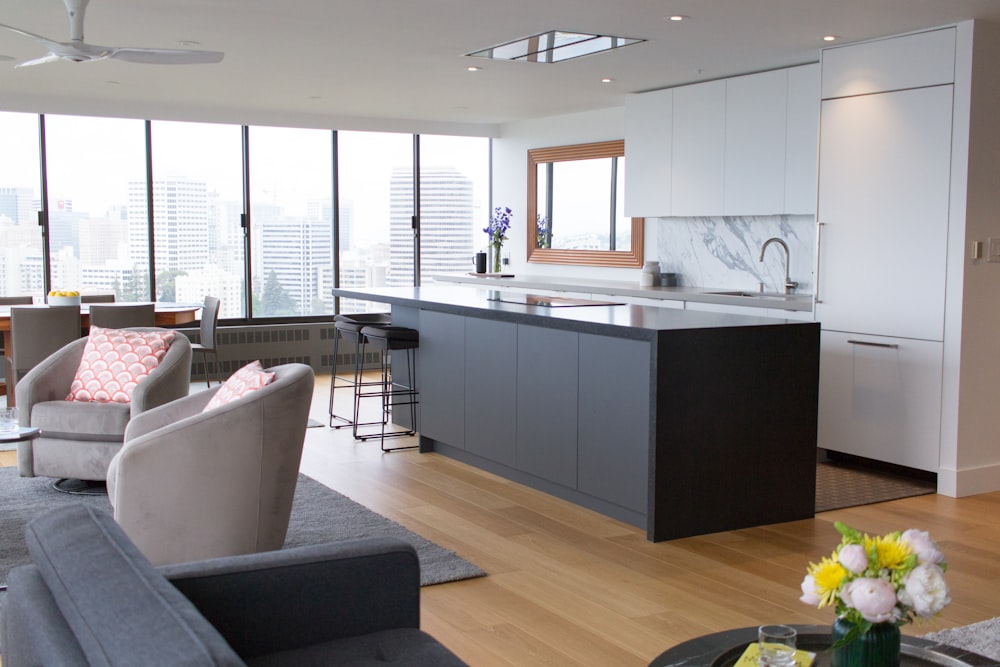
{"x":554,"y":46}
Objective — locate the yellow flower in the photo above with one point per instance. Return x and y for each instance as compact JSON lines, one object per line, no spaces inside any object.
{"x":890,"y":551}
{"x":828,"y":575}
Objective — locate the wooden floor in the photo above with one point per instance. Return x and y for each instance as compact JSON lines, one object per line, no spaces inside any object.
{"x":568,"y":587}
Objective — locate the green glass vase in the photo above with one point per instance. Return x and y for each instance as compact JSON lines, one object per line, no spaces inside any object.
{"x":879,"y":647}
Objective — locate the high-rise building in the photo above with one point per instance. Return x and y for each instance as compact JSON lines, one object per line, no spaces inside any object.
{"x":15,"y":204}
{"x":297,"y":252}
{"x":447,"y":215}
{"x":181,"y":214}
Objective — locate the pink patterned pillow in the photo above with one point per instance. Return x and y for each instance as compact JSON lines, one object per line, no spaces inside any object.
{"x":249,"y":378}
{"x":115,"y":361}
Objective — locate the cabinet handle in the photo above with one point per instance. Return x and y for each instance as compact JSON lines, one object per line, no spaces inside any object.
{"x":891,"y":346}
{"x":819,"y":238}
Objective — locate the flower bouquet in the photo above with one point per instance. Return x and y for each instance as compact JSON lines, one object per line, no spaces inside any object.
{"x":497,"y":231}
{"x":878,"y":581}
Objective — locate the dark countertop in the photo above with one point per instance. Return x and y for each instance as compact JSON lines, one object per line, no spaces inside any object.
{"x":623,"y":321}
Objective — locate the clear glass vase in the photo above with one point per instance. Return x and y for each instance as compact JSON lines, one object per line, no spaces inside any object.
{"x":879,"y":647}
{"x":495,"y":259}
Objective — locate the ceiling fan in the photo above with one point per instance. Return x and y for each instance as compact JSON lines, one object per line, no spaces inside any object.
{"x":76,"y":50}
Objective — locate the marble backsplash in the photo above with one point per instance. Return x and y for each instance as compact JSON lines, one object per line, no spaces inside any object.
{"x":723,"y":252}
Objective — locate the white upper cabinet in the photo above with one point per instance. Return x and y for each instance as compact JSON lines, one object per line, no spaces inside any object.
{"x":802,"y":139}
{"x":698,"y":166}
{"x":756,"y":109}
{"x":896,"y":63}
{"x":648,"y":123}
{"x":740,"y":146}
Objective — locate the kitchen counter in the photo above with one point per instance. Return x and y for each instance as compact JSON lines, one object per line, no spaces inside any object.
{"x":622,"y":320}
{"x":612,"y":288}
{"x":679,"y":422}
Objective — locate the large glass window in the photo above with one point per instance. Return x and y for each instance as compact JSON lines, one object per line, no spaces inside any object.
{"x":291,"y":221}
{"x":98,"y":226}
{"x":376,"y":208}
{"x":197,"y":201}
{"x":454,"y":201}
{"x":101,"y":233}
{"x":21,"y":265}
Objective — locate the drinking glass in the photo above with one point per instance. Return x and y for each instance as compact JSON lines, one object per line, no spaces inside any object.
{"x":8,"y":420}
{"x":777,"y":646}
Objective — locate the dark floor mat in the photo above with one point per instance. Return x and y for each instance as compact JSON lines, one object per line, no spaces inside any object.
{"x":840,"y":485}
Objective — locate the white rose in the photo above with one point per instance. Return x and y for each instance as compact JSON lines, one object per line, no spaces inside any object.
{"x":925,"y":590}
{"x":853,"y":557}
{"x":874,"y":598}
{"x":926,"y":549}
{"x":809,"y":594}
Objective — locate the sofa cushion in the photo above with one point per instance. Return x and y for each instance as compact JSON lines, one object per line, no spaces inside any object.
{"x":121,"y":610}
{"x":402,"y":646}
{"x":248,"y":379}
{"x":115,"y":361}
{"x":76,"y":420}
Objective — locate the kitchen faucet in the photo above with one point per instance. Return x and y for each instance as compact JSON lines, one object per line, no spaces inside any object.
{"x":790,"y":284}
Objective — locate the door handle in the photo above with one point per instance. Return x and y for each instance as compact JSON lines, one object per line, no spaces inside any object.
{"x":819,"y":239}
{"x":890,"y":346}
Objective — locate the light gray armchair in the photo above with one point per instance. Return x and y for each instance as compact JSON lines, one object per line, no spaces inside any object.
{"x":79,"y":439}
{"x":189,"y":485}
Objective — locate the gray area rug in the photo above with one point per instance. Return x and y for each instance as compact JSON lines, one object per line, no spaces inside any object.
{"x":318,"y":515}
{"x":982,"y":638}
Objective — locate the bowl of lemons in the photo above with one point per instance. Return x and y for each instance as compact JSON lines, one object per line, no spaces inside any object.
{"x":63,"y":297}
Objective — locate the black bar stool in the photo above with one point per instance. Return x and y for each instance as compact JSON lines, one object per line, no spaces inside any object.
{"x":393,"y":390}
{"x":348,"y":327}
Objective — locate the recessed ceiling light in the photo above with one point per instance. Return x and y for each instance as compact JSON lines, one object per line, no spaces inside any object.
{"x":554,"y":46}
{"x":472,"y":68}
{"x":829,"y":38}
{"x":677,"y":17}
{"x":607,"y":79}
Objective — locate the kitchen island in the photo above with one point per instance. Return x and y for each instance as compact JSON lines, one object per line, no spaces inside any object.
{"x":679,"y":422}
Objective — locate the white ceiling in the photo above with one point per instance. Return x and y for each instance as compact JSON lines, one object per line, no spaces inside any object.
{"x":384,"y":64}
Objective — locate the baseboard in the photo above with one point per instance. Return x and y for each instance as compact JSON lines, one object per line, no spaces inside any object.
{"x":969,"y":481}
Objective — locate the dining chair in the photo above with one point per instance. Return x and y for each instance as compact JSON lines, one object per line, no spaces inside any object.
{"x":37,"y":332}
{"x":207,"y":340}
{"x":97,"y":298}
{"x":121,"y":316}
{"x":23,"y":300}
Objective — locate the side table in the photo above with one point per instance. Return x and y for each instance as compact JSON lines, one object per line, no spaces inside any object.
{"x":21,"y":434}
{"x":723,"y":649}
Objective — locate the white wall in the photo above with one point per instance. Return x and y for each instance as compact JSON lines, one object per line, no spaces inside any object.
{"x":510,"y":180}
{"x":970,"y":437}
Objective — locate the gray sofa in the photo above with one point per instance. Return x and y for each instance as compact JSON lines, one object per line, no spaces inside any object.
{"x":90,"y":598}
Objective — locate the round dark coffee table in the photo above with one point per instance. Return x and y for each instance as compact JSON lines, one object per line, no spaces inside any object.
{"x":723,"y":649}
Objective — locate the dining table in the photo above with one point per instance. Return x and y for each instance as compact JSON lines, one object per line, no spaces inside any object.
{"x":167,"y":313}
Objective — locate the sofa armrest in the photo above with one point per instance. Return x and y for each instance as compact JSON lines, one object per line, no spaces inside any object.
{"x":50,"y":380}
{"x":165,"y":415}
{"x":170,"y":380}
{"x":280,"y":600}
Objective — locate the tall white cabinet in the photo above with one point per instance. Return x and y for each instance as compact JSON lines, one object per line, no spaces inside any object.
{"x":884,"y":193}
